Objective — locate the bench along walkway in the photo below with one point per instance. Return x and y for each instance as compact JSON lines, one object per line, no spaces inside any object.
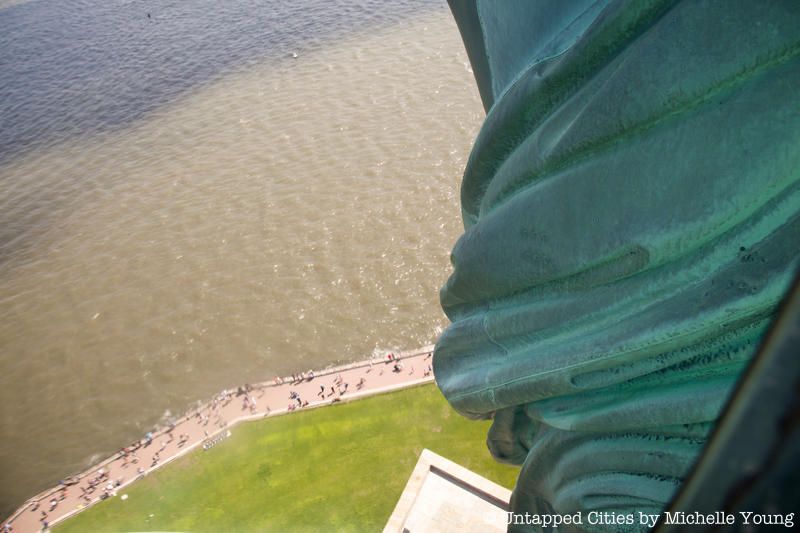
{"x":210,"y":423}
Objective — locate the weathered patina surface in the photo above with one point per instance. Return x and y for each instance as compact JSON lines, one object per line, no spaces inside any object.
{"x":632,"y":219}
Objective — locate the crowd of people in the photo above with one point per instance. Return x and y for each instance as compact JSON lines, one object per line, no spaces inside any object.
{"x":100,"y":485}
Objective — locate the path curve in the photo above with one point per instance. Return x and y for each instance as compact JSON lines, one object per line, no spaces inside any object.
{"x":211,"y":423}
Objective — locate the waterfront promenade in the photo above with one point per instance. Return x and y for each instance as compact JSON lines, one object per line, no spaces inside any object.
{"x":212,"y":422}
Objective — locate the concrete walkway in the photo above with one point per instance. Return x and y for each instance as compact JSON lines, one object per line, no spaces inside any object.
{"x":211,"y":423}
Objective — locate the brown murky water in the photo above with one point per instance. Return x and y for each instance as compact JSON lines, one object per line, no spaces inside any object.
{"x":212,"y":195}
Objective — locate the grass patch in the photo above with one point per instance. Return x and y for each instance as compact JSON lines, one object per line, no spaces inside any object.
{"x":339,"y":468}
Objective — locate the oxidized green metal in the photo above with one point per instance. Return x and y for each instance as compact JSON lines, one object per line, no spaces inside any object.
{"x":632,"y":219}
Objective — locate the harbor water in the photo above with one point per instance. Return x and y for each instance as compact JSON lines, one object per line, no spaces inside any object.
{"x":196,"y":195}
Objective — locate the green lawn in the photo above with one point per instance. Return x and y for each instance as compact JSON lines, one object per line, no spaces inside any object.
{"x":339,"y":468}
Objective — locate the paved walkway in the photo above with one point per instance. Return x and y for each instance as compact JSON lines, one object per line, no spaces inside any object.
{"x":211,"y":423}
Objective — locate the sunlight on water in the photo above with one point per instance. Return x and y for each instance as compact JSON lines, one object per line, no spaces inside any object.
{"x":292,"y":213}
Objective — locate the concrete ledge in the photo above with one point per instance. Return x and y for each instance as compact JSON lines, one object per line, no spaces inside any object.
{"x":442,"y":496}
